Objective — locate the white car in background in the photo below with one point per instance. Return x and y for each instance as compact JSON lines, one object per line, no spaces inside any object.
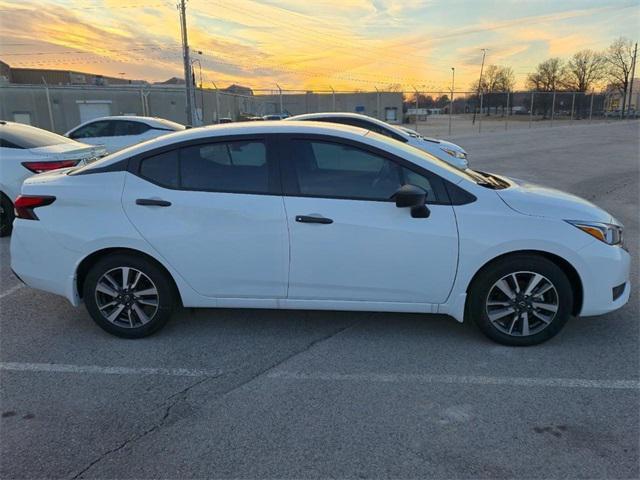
{"x":27,"y":150}
{"x":305,"y":215}
{"x":115,"y":133}
{"x":446,"y":151}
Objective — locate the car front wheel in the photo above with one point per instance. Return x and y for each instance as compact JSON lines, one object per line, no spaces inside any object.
{"x":128,"y":296}
{"x":521,"y":300}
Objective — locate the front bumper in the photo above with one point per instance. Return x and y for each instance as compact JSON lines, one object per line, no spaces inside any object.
{"x":605,"y":268}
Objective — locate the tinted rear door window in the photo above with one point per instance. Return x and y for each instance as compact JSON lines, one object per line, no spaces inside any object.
{"x":102,"y":128}
{"x":161,"y":169}
{"x":234,"y":166}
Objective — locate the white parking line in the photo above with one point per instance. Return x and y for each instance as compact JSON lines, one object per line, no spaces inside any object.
{"x":459,"y":380}
{"x":15,"y":288}
{"x":96,"y":369}
{"x":332,"y":377}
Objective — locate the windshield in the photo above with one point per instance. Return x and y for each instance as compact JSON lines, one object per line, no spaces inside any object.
{"x":25,"y":136}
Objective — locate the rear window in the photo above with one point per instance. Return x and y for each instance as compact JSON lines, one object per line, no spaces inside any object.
{"x":127,"y":127}
{"x":24,"y":136}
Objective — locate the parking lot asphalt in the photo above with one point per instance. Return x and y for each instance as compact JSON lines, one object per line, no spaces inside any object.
{"x":307,"y":394}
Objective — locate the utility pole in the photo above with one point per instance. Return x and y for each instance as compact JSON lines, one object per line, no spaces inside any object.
{"x":484,"y":53}
{"x":188,"y":80}
{"x":633,"y":73}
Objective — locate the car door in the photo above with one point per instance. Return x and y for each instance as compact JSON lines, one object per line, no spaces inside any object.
{"x":99,"y":132}
{"x":349,"y":241}
{"x":214,"y":211}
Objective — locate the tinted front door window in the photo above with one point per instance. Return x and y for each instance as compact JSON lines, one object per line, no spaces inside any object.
{"x":334,"y":170}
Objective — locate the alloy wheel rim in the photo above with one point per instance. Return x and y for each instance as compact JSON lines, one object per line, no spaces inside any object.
{"x":126,"y":297}
{"x":522,"y":303}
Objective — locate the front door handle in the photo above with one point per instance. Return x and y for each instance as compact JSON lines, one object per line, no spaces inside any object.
{"x":313,"y":219}
{"x":153,"y":202}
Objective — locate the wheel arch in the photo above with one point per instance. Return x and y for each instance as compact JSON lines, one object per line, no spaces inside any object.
{"x":90,"y":260}
{"x":568,"y":269}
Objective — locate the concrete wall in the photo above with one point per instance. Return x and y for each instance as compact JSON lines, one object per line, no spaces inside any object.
{"x":65,"y":103}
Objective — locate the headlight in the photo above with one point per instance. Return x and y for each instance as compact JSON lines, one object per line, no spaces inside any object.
{"x":454,"y":153}
{"x":605,"y":232}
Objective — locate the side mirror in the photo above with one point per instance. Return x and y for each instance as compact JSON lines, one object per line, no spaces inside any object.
{"x":413,"y":197}
{"x":409,"y":196}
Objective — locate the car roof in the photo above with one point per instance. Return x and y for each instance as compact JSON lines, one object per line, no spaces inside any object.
{"x":275,"y":127}
{"x":247,"y":128}
{"x":154,"y":122}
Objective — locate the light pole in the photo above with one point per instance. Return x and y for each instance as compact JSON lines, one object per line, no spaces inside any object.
{"x":280,"y":94}
{"x":484,"y":53}
{"x":217,"y":103}
{"x":333,"y":99}
{"x":453,"y":82}
{"x":417,"y":105}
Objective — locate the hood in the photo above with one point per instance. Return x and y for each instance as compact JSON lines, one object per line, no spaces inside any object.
{"x":536,"y":200}
{"x":70,"y":151}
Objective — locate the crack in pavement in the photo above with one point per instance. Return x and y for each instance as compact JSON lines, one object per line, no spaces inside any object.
{"x":179,"y":396}
{"x":288,"y":357}
{"x":182,"y":395}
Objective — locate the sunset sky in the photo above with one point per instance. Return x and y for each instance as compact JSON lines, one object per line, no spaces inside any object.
{"x":344,"y":44}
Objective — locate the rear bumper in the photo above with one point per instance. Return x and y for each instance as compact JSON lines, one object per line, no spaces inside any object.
{"x":39,"y":261}
{"x":605,"y":268}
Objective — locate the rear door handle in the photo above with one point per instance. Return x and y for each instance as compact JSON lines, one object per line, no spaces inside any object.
{"x":313,"y":219}
{"x":153,"y":202}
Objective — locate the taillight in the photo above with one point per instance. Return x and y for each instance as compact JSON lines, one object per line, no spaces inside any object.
{"x":39,"y":167}
{"x":25,"y":204}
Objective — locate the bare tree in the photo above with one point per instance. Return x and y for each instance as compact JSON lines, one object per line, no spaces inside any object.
{"x":496,"y":79}
{"x":619,"y":59}
{"x":584,"y":69}
{"x":550,"y":76}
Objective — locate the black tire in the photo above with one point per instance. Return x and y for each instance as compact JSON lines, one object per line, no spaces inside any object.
{"x":485,"y":284}
{"x":6,"y":215}
{"x":152,"y":277}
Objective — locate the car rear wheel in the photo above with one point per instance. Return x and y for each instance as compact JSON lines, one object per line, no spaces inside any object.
{"x":6,"y":215}
{"x":129,"y":296}
{"x":521,"y":300}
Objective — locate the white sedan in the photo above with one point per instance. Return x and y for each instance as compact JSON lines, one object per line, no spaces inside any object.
{"x":306,"y":215}
{"x":26,"y":150}
{"x":115,"y":133}
{"x":446,"y":151}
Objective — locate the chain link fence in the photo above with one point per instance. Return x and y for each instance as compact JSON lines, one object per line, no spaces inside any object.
{"x":60,"y":108}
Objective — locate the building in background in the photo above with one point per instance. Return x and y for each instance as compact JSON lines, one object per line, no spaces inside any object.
{"x":615,"y":96}
{"x":37,"y":76}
